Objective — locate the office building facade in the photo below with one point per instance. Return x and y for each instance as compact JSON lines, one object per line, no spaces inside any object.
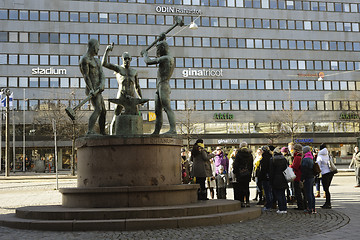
{"x":254,"y":70}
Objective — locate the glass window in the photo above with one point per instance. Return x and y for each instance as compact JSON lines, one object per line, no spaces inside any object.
{"x":259,"y":63}
{"x":270,"y":105}
{"x":44,"y":82}
{"x":335,"y":85}
{"x":208,"y":105}
{"x":54,"y":82}
{"x":64,"y":82}
{"x":150,"y":19}
{"x":132,"y":19}
{"x":275,"y":43}
{"x":215,"y":42}
{"x":199,"y":105}
{"x":74,"y":17}
{"x":282,"y":24}
{"x":320,"y":105}
{"x":64,"y":16}
{"x":339,"y":27}
{"x":244,"y":105}
{"x":277,"y":84}
{"x":54,"y":60}
{"x":286,"y":84}
{"x":278,"y":105}
{"x":34,"y":15}
{"x":74,"y":82}
{"x":327,"y":85}
{"x":250,"y":43}
{"x":332,"y":26}
{"x":302,"y":85}
{"x":261,"y":105}
{"x":207,"y":84}
{"x":33,"y":82}
{"x":243,"y":84}
{"x":225,"y":84}
{"x":319,"y":85}
{"x":252,"y":105}
{"x":34,"y":59}
{"x":291,"y":24}
{"x":235,"y":105}
{"x":323,"y":26}
{"x":311,"y":85}
{"x":252,"y":84}
{"x":180,"y":83}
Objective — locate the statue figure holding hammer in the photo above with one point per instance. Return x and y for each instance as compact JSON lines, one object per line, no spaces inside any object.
{"x":92,"y":72}
{"x":127,"y":79}
{"x":162,"y":97}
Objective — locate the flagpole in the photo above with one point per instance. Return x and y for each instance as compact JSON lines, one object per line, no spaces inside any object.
{"x":24,"y":156}
{"x":13,"y":122}
{"x":1,"y":116}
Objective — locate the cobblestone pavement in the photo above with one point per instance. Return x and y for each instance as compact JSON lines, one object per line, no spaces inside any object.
{"x":341,"y":222}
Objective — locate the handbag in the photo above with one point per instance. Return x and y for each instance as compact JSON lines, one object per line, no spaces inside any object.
{"x":289,"y":174}
{"x":332,"y":166}
{"x":316,"y":169}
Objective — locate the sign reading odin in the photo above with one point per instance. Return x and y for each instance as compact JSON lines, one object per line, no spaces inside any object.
{"x":202,"y":72}
{"x":48,"y":71}
{"x":162,"y":9}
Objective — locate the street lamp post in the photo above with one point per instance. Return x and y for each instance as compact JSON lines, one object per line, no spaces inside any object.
{"x":7,"y":92}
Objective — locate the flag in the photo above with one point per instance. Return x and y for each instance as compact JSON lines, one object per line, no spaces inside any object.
{"x":3,"y":101}
{"x":152,"y":116}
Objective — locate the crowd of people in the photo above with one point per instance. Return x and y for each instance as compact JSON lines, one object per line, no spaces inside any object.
{"x":216,"y":170}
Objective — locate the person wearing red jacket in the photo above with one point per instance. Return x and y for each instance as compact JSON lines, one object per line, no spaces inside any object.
{"x":299,"y":189}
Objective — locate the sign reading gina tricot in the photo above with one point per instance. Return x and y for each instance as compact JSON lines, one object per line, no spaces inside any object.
{"x":202,"y":72}
{"x":162,"y":9}
{"x":48,"y":71}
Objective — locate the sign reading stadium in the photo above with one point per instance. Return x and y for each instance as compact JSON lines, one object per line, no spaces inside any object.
{"x":162,"y":9}
{"x":48,"y":71}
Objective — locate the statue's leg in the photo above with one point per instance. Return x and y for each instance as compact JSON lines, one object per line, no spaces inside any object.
{"x":102,"y":117}
{"x":117,"y":112}
{"x":165,"y":102}
{"x":158,"y":113}
{"x":93,"y":116}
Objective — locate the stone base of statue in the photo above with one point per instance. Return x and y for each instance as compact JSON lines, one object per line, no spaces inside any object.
{"x":128,"y":172}
{"x":129,"y":183}
{"x":128,"y":125}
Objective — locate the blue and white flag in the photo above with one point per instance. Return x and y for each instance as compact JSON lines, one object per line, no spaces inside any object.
{"x":3,"y":101}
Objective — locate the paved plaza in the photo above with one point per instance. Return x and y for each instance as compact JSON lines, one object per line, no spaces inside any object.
{"x":341,"y":222}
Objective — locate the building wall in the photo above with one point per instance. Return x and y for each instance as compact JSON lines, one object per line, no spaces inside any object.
{"x":339,"y":62}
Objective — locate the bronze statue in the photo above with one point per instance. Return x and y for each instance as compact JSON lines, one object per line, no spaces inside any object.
{"x":128,"y":85}
{"x":92,"y":72}
{"x":162,"y":98}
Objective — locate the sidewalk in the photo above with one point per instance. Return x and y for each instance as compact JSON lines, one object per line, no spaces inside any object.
{"x":341,"y":222}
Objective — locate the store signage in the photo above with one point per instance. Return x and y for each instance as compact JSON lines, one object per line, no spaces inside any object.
{"x":202,"y":72}
{"x":225,"y":116}
{"x":48,"y":71}
{"x":349,"y":116}
{"x":304,"y":140}
{"x":162,"y":9}
{"x":228,"y":141}
{"x":316,"y":75}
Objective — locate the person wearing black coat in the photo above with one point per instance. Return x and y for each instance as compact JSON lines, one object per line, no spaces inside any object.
{"x":264,"y":174}
{"x":278,"y":164}
{"x":242,"y":168}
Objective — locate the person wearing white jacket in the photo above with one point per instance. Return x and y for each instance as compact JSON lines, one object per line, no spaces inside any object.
{"x":327,"y":175}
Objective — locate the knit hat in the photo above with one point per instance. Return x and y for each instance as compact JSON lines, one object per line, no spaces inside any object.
{"x":298,"y":147}
{"x":284,"y":149}
{"x":243,"y":144}
{"x":306,"y":149}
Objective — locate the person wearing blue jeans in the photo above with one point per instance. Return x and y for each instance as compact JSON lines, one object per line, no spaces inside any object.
{"x":268,"y":195}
